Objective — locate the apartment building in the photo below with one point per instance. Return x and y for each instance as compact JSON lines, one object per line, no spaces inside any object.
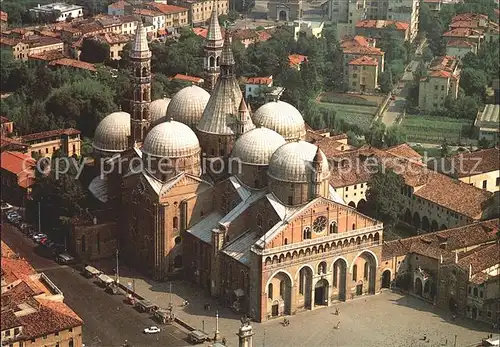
{"x":309,"y":29}
{"x":407,"y":11}
{"x":201,"y":10}
{"x":65,"y":11}
{"x":357,"y":47}
{"x":17,"y":175}
{"x":116,"y":43}
{"x":378,"y":28}
{"x":125,"y":25}
{"x":346,"y":14}
{"x":33,"y":311}
{"x":472,"y":27}
{"x":459,"y":48}
{"x":434,"y":5}
{"x":46,"y":143}
{"x":175,"y":17}
{"x":256,"y":86}
{"x":7,"y":126}
{"x":120,"y":8}
{"x":363,"y":75}
{"x":152,"y":17}
{"x":24,"y":47}
{"x":442,"y":80}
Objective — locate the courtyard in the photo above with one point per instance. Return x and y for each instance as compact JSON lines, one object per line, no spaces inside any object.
{"x":387,"y":319}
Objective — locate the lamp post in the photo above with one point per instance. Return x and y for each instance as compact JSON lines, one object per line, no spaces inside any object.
{"x":216,"y":337}
{"x":117,"y":273}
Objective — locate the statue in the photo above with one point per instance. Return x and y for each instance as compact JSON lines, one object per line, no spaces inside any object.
{"x":245,"y":321}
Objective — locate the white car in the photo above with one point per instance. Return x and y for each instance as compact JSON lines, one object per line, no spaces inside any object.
{"x":6,"y":206}
{"x":152,"y":330}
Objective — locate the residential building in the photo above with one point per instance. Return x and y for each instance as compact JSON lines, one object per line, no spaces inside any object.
{"x":255,"y":87}
{"x":459,"y":48}
{"x":363,"y":75}
{"x":73,"y":64}
{"x":33,"y":311}
{"x":4,"y":17}
{"x":152,"y":17}
{"x":487,"y":121}
{"x":457,"y":269}
{"x":34,"y":44}
{"x":10,"y":144}
{"x":406,"y":11}
{"x":7,"y":126}
{"x":125,"y":25}
{"x":378,"y":28}
{"x":120,"y":8}
{"x":46,"y":143}
{"x":175,"y":16}
{"x":282,"y":10}
{"x":357,"y":47}
{"x":346,"y":14}
{"x":296,"y":60}
{"x":480,"y":168}
{"x":191,"y":79}
{"x":65,"y":11}
{"x":116,"y":43}
{"x":442,"y":80}
{"x":309,"y":29}
{"x":17,"y":175}
{"x":201,"y":10}
{"x":472,"y":27}
{"x":245,"y":36}
{"x":434,"y":5}
{"x":45,"y":58}
{"x":432,"y":201}
{"x":464,"y":34}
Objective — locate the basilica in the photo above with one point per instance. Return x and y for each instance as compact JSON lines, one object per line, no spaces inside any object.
{"x":234,"y":200}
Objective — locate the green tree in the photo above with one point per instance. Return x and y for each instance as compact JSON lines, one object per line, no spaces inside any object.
{"x":445,"y":148}
{"x":473,"y":81}
{"x":375,"y":136}
{"x":386,"y":83}
{"x":483,"y":143}
{"x":384,"y":196}
{"x":394,"y":136}
{"x":94,"y":51}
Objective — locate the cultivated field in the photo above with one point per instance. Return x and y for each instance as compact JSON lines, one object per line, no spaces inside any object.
{"x":429,"y":129}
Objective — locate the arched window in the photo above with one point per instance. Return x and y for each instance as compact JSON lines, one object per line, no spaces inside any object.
{"x":333,"y":228}
{"x":286,"y":241}
{"x":322,"y":268}
{"x":353,"y":226}
{"x":355,"y":273}
{"x":475,"y":292}
{"x":282,"y":288}
{"x":307,"y":233}
{"x":218,"y":61}
{"x":270,"y":291}
{"x":175,"y":222}
{"x":144,"y":71}
{"x":211,"y":62}
{"x":138,"y":72}
{"x":365,"y":271}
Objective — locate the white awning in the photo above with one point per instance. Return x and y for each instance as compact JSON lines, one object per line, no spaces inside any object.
{"x":106,"y":279}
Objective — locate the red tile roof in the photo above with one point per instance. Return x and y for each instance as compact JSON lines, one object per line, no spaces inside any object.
{"x":7,"y":41}
{"x":264,"y":35}
{"x":405,"y":151}
{"x":5,"y":120}
{"x":201,"y":32}
{"x":73,"y":63}
{"x":462,"y":32}
{"x":7,"y":141}
{"x":188,"y":78}
{"x":13,"y":268}
{"x":460,"y":43}
{"x":16,"y":162}
{"x":468,"y":16}
{"x":480,"y":258}
{"x":147,"y":12}
{"x":364,"y":60}
{"x":50,"y":133}
{"x":296,"y":59}
{"x":475,"y":163}
{"x":119,"y":4}
{"x":260,"y":80}
{"x":46,"y":56}
{"x":167,"y":9}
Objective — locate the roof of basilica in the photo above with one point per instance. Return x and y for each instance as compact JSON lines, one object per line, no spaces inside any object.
{"x":281,"y":117}
{"x":158,"y":110}
{"x":293,"y":162}
{"x":188,"y":104}
{"x":111,"y":135}
{"x":256,"y":146}
{"x":172,"y":140}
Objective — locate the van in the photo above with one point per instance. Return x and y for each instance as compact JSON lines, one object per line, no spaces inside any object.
{"x":64,"y":258}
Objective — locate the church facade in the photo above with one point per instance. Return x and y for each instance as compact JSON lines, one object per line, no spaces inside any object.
{"x":235,"y":201}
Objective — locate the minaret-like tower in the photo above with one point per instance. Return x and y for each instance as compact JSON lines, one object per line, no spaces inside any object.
{"x":213,"y":50}
{"x":140,"y":59}
{"x":243,"y":122}
{"x":317,"y":165}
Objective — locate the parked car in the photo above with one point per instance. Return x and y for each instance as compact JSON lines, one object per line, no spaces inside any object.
{"x":38,"y":237}
{"x":64,"y":258}
{"x":152,"y":330}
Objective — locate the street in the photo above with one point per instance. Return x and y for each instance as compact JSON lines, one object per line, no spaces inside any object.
{"x":107,"y":320}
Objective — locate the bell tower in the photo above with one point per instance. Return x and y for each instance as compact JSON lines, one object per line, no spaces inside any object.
{"x":140,"y":59}
{"x":212,"y":50}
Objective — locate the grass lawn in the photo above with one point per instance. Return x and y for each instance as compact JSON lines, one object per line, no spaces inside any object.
{"x":429,"y":129}
{"x":353,"y":114}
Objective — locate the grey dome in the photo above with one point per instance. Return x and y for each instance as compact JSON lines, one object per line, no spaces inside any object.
{"x":158,"y":110}
{"x":292,"y":162}
{"x":112,"y":133}
{"x":281,"y":117}
{"x":256,"y":146}
{"x":171,"y":139}
{"x":187,"y":105}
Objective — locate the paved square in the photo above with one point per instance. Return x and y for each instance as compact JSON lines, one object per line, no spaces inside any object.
{"x":385,"y":320}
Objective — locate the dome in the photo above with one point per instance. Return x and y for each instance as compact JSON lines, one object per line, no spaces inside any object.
{"x":112,"y":133}
{"x":187,"y":105}
{"x":256,"y":146}
{"x":158,"y":110}
{"x":292,"y":162}
{"x":171,"y":139}
{"x":281,"y":117}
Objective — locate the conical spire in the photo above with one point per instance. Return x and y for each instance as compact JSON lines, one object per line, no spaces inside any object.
{"x":140,"y":48}
{"x":214,"y":35}
{"x":244,"y":122}
{"x":227,"y":57}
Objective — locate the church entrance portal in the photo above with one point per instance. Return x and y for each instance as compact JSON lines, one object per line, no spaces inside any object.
{"x":283,"y":16}
{"x":321,"y":293}
{"x":275,"y":309}
{"x":359,"y":289}
{"x":386,"y":279}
